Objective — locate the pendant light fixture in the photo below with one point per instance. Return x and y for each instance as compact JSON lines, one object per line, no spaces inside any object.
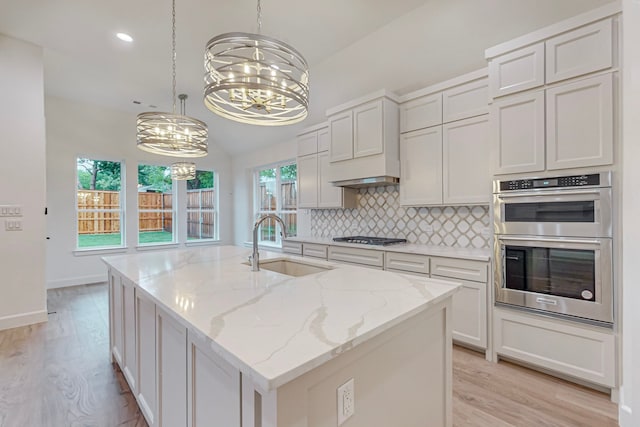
{"x":255,"y":79}
{"x":171,"y":134}
{"x":183,"y":171}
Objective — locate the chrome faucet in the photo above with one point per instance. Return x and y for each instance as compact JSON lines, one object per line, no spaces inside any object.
{"x":255,"y":257}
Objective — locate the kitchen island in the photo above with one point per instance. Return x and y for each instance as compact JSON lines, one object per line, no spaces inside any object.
{"x":203,"y":340}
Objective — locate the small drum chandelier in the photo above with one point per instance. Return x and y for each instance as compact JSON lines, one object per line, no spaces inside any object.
{"x":183,"y":170}
{"x":255,"y":79}
{"x":171,"y":134}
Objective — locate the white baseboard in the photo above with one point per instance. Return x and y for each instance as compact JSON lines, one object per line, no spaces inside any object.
{"x":23,"y":319}
{"x":625,"y":417}
{"x":75,"y":281}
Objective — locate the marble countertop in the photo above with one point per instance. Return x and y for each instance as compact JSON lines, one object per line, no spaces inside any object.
{"x":270,"y":326}
{"x":475,"y":254}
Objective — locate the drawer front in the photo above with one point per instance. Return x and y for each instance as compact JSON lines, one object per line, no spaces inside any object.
{"x":357,"y":256}
{"x":517,"y":71}
{"x":412,"y":263}
{"x":464,"y":101}
{"x":420,"y":113}
{"x":475,"y":271}
{"x":314,"y":250}
{"x":579,"y":52}
{"x":294,"y":248}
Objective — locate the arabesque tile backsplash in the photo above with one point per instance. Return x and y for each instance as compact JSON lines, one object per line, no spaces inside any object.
{"x":379,"y":214}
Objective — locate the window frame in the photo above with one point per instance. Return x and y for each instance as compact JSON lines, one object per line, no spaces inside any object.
{"x":121,"y":210}
{"x":215,"y":211}
{"x":174,"y":209}
{"x":278,"y":211}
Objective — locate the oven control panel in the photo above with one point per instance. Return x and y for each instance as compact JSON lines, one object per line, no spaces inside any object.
{"x":557,"y":182}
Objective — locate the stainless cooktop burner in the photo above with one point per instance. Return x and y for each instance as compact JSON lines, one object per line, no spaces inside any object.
{"x":365,"y":240}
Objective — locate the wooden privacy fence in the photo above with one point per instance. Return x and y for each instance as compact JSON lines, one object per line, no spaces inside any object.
{"x":200,"y":218}
{"x":289,"y":194}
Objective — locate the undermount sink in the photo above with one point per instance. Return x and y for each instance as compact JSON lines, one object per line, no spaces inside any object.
{"x":292,"y":268}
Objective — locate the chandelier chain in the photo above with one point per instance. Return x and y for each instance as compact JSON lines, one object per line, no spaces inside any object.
{"x":259,"y":17}
{"x":173,"y":50}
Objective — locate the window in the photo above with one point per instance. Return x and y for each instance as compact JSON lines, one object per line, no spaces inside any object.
{"x":155,"y":205}
{"x":99,"y":203}
{"x":276,"y":193}
{"x":202,"y":204}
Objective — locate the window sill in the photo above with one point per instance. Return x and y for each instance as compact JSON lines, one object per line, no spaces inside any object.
{"x":157,"y":246}
{"x":202,"y":242}
{"x":99,"y":251}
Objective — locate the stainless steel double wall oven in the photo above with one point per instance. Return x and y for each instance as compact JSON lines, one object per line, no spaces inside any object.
{"x":553,"y":245}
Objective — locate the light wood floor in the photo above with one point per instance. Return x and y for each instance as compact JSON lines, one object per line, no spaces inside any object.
{"x":58,"y":374}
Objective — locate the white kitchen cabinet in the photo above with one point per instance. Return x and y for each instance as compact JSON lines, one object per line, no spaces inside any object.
{"x":517,"y":130}
{"x":116,"y":315}
{"x":341,"y":136}
{"x":213,"y":387}
{"x":307,"y":143}
{"x":516,"y":71}
{"x":578,"y":350}
{"x":580,"y":123}
{"x":421,"y":167}
{"x":330,"y":196}
{"x":146,"y":351}
{"x":420,"y":113}
{"x":406,"y":263}
{"x":323,"y":139}
{"x":466,"y":100}
{"x":314,"y":250}
{"x":368,"y":130}
{"x":362,"y":257}
{"x":129,"y":330}
{"x":308,"y":181}
{"x":578,"y":52}
{"x":171,"y":359}
{"x":466,"y":157}
{"x":289,"y":247}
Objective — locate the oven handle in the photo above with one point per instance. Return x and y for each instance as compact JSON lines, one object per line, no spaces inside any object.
{"x":540,"y":239}
{"x":549,"y":193}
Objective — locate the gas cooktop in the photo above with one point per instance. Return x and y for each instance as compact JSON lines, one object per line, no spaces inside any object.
{"x":369,"y":240}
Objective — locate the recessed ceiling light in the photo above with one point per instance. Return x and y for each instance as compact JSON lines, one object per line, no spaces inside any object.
{"x":124,"y":37}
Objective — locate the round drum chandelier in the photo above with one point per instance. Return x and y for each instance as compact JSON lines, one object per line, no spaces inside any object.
{"x":183,"y":170}
{"x":171,"y":134}
{"x":255,"y":79}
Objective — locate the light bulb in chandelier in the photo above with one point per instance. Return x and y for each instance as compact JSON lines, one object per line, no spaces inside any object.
{"x":183,"y":170}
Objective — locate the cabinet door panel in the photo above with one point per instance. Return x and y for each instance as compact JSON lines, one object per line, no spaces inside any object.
{"x":367,"y":131}
{"x":308,"y":181}
{"x":129,"y":331}
{"x":328,"y":195}
{"x":466,"y":161}
{"x":341,"y":136}
{"x":421,"y":113}
{"x":421,"y":167}
{"x":146,"y":333}
{"x":172,"y":371}
{"x":469,"y":316}
{"x":579,"y":52}
{"x":517,"y":71}
{"x":323,"y":139}
{"x":517,"y":129}
{"x":467,"y":100}
{"x":308,"y":143}
{"x":117,"y":309}
{"x":580,"y":123}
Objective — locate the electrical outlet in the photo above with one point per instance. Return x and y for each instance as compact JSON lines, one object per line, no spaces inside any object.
{"x":346,"y":401}
{"x":13,"y":225}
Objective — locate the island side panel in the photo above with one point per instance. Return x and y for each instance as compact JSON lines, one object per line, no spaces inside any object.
{"x":402,"y":377}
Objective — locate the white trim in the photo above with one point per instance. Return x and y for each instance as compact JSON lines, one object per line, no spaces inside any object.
{"x":603,"y":12}
{"x":313,"y":128}
{"x":382,"y":93}
{"x":99,"y":251}
{"x":439,"y":87}
{"x":23,"y":319}
{"x":203,"y":242}
{"x":75,"y":281}
{"x":157,"y":246}
{"x":625,"y":416}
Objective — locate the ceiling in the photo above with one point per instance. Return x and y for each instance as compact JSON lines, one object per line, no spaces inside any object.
{"x":84,"y":61}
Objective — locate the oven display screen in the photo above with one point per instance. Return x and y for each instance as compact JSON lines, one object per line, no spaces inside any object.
{"x":539,"y":183}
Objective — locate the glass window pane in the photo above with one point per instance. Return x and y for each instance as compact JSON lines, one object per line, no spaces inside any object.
{"x":98,"y":203}
{"x":267,"y":189}
{"x":155,"y":205}
{"x":201,"y":204}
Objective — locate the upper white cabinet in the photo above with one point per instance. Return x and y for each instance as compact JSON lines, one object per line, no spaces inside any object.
{"x":517,"y":71}
{"x":314,"y":188}
{"x":420,"y":113}
{"x":363,"y":138}
{"x":579,"y":52}
{"x":518,"y":124}
{"x":446,"y":163}
{"x":580,"y":123}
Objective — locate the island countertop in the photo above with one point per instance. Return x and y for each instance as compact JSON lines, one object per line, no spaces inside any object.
{"x":270,"y":326}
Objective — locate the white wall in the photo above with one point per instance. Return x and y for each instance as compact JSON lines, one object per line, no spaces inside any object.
{"x":243,"y":168}
{"x":22,"y":182}
{"x":75,"y":129}
{"x":630,"y":394}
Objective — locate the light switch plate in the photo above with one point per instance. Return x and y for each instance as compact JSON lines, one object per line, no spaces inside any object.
{"x":13,"y":225}
{"x":10,"y":210}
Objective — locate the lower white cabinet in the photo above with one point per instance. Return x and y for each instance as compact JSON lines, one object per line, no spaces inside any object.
{"x":116,"y":316}
{"x":213,"y":387}
{"x":470,"y":313}
{"x":129,"y":330}
{"x":360,"y":257}
{"x":171,"y":358}
{"x":146,"y":350}
{"x":314,"y":250}
{"x":577,"y":350}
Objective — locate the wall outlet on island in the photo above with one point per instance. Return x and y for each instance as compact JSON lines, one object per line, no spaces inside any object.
{"x":346,"y":401}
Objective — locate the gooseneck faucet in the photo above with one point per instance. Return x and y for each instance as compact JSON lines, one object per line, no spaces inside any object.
{"x":255,"y":257}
